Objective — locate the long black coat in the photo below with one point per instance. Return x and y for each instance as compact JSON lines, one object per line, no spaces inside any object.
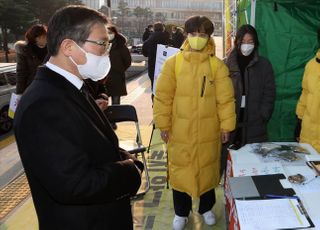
{"x":146,"y":34}
{"x":260,"y":96}
{"x":27,"y":64}
{"x":71,"y":158}
{"x":120,"y":58}
{"x":177,"y":39}
{"x":149,"y":49}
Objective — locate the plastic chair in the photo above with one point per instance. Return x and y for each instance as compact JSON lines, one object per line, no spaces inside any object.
{"x":127,"y":113}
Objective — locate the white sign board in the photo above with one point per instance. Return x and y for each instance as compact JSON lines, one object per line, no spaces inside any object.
{"x":163,"y":52}
{"x":14,"y":100}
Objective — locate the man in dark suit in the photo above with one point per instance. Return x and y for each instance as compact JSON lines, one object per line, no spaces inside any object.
{"x":79,"y":178}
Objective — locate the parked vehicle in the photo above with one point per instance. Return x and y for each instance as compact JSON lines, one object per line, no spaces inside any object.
{"x":137,"y":49}
{"x":7,"y":86}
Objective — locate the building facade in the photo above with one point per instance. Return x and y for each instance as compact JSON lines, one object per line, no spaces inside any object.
{"x":168,"y":11}
{"x":95,"y":4}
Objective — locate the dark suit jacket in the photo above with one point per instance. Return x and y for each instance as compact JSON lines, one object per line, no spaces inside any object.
{"x":149,"y":49}
{"x":71,"y":158}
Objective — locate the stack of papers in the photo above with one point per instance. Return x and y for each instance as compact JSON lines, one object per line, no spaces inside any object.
{"x":286,"y":213}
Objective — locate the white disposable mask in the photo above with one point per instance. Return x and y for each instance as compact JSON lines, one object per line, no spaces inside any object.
{"x":111,"y":36}
{"x":95,"y":68}
{"x":246,"y":49}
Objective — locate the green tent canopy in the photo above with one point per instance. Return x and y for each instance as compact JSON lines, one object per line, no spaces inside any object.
{"x":287,"y":31}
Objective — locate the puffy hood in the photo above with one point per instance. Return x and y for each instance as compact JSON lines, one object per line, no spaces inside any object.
{"x":20,"y":46}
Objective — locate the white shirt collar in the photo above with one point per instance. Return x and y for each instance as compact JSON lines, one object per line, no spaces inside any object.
{"x":73,"y":79}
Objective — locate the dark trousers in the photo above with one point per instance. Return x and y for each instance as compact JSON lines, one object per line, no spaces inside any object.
{"x":182,"y":202}
{"x":224,"y":157}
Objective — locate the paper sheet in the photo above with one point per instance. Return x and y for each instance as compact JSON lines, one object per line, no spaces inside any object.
{"x":312,"y":157}
{"x":257,"y":169}
{"x":310,"y":149}
{"x":163,"y":53}
{"x":270,"y":214}
{"x":244,"y":155}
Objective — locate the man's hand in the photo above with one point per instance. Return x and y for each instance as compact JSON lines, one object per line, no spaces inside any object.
{"x":102,"y":103}
{"x":225,"y":137}
{"x":165,"y":136}
{"x":139,"y":170}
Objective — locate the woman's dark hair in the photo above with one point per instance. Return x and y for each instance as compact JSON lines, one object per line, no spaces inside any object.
{"x":72,"y":22}
{"x":246,"y":29}
{"x":113,"y":29}
{"x":35,"y":31}
{"x":199,"y":24}
{"x":119,"y":38}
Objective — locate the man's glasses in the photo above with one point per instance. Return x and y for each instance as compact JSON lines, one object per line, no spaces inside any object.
{"x":105,"y":44}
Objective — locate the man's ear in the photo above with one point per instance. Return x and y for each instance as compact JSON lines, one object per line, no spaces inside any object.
{"x":67,"y":47}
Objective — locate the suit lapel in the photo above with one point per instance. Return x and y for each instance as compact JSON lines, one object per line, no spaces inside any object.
{"x":90,"y":109}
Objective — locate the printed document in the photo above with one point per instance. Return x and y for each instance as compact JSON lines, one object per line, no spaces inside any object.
{"x":271,"y":214}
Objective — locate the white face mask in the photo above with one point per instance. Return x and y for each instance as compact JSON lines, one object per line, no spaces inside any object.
{"x":246,"y":49}
{"x":111,"y":36}
{"x":95,"y":68}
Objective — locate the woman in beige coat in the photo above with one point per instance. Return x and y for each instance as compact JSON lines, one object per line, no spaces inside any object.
{"x":194,"y":109}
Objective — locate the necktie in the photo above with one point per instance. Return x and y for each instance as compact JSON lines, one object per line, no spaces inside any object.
{"x":86,"y":93}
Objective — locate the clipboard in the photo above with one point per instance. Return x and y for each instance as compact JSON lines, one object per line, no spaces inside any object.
{"x":304,"y":211}
{"x":282,"y":212}
{"x":301,"y":209}
{"x":257,"y":187}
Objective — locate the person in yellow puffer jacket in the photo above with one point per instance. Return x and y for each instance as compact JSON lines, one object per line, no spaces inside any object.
{"x":194,"y":109}
{"x":308,"y":107}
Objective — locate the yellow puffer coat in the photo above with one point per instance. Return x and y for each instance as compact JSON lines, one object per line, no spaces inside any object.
{"x":194,"y":105}
{"x":308,"y":108}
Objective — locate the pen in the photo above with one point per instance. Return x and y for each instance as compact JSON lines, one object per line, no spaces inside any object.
{"x":306,"y":182}
{"x":308,"y":164}
{"x":280,"y":196}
